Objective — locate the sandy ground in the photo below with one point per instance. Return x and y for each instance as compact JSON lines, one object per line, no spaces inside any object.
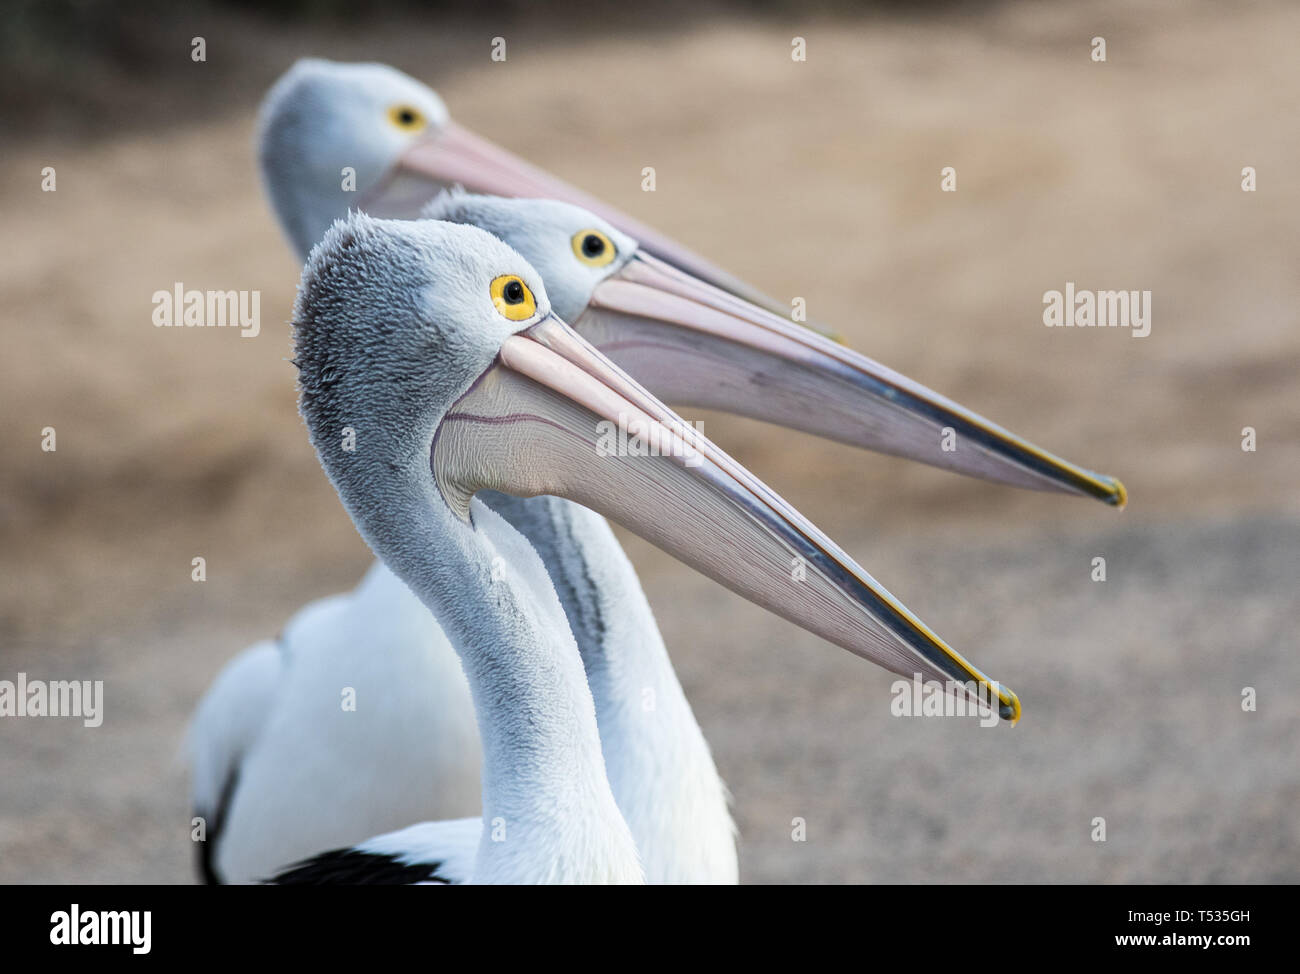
{"x":817,"y":179}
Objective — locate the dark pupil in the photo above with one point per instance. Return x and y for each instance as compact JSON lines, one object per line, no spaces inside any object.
{"x":592,"y":245}
{"x":406,"y":116}
{"x":514,"y":293}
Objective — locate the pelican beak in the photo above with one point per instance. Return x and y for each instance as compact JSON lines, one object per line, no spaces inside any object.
{"x":693,"y":344}
{"x":552,"y":415}
{"x":456,"y":156}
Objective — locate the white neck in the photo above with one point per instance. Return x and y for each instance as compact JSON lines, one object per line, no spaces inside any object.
{"x":659,"y":764}
{"x":548,"y":812}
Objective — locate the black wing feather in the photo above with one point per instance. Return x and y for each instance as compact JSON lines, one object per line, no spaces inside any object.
{"x":355,"y":867}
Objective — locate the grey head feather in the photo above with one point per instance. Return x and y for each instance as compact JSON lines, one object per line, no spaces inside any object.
{"x":393,"y":322}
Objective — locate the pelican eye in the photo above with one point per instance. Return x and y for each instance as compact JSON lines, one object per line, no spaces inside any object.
{"x":406,"y":118}
{"x":593,"y":248}
{"x":512,"y":298}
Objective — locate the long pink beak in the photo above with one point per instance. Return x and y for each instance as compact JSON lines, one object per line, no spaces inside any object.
{"x":692,"y":344}
{"x":541,"y":419}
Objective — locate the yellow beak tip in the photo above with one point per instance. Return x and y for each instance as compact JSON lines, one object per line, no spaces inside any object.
{"x":1009,"y":708}
{"x":1120,"y":498}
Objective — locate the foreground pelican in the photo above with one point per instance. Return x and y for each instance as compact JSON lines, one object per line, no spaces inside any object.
{"x":273,"y":792}
{"x":436,"y":343}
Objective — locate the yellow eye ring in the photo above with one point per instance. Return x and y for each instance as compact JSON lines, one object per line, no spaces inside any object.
{"x":512,"y":298}
{"x":407,"y":118}
{"x":593,"y":248}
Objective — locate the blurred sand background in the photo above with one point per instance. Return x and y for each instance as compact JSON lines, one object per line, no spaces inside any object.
{"x":818,"y":179}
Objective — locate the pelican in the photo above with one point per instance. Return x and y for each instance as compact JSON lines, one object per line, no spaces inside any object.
{"x":437,"y":343}
{"x":335,"y":136}
{"x":272,"y":793}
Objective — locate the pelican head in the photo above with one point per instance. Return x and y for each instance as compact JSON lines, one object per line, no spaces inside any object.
{"x":330,"y":135}
{"x":692,"y":344}
{"x":335,"y":137}
{"x":437,"y":345}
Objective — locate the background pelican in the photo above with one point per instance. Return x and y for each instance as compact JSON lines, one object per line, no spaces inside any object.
{"x":437,"y":343}
{"x":336,"y":136}
{"x":269,"y":791}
